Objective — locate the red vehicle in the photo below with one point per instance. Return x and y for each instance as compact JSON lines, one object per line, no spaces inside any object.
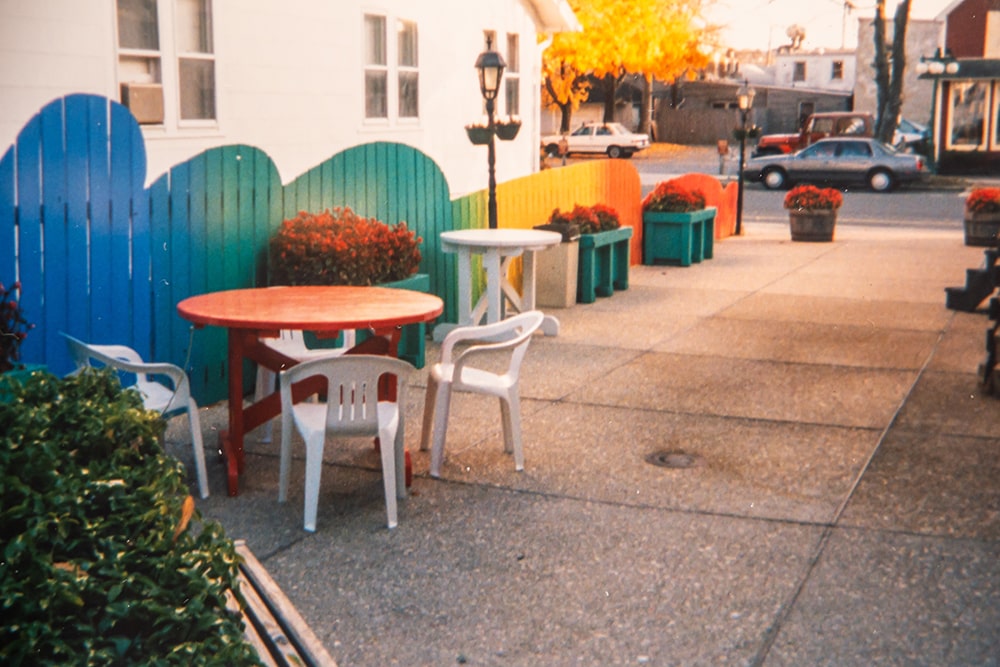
{"x":818,"y":126}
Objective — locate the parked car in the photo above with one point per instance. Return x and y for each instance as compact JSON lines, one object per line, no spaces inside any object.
{"x":817,"y":126}
{"x":611,"y":138}
{"x":909,"y":134}
{"x":841,"y":161}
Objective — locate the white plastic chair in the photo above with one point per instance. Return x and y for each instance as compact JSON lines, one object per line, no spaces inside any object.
{"x":155,"y":396}
{"x":292,"y":344}
{"x":454,"y":373}
{"x":352,"y":410}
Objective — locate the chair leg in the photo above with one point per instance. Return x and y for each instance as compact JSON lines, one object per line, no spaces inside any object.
{"x":442,"y":404}
{"x":389,"y":469}
{"x":198,"y":444}
{"x":264,"y":386}
{"x":314,"y":469}
{"x":512,"y":427}
{"x":285,"y":456}
{"x":428,"y":422}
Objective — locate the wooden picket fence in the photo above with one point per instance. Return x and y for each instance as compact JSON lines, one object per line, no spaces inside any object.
{"x":106,"y":259}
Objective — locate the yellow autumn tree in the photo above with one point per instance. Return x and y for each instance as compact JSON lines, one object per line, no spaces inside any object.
{"x":651,"y":38}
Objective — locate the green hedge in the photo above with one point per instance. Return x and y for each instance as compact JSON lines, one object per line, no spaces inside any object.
{"x":100,"y":566}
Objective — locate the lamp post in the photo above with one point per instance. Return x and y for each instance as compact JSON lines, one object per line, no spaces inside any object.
{"x":745,"y":100}
{"x":491,"y":65}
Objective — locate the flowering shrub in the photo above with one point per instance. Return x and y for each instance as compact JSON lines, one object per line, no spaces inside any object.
{"x":14,"y":328}
{"x":811,"y":198}
{"x":983,"y":200}
{"x":590,"y":219}
{"x":668,"y":197}
{"x":339,"y":247}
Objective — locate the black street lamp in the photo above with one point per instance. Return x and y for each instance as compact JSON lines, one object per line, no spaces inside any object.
{"x":491,"y":65}
{"x":745,"y":100}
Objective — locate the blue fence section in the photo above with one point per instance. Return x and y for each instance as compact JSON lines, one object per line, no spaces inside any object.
{"x":104,"y":258}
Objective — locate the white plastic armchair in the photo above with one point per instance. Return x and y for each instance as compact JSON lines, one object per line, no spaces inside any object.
{"x":292,"y":344}
{"x":455,"y":373}
{"x":155,"y":396}
{"x":352,"y":409}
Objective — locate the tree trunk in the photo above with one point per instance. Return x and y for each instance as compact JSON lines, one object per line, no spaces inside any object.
{"x":889,"y":82}
{"x":609,"y":84}
{"x":646,"y":108}
{"x":567,"y":115}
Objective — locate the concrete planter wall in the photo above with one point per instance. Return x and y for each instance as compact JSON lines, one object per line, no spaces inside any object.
{"x":556,"y":274}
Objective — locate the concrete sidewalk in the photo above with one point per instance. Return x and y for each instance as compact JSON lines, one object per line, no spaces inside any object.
{"x":841,"y":508}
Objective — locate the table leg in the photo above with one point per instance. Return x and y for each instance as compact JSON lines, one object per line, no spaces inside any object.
{"x":232,"y":440}
{"x":491,"y":260}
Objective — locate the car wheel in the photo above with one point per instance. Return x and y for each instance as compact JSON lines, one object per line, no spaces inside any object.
{"x":774,"y":178}
{"x":614,"y":151}
{"x":881,"y":180}
{"x":552,"y":149}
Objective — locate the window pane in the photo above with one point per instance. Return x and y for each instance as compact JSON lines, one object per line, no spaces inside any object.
{"x":375,"y":40}
{"x":513,"y":97}
{"x":968,"y":111}
{"x":513,"y":64}
{"x":137,"y":25}
{"x":408,"y":98}
{"x":194,"y":26}
{"x":197,"y":79}
{"x":407,"y":43}
{"x":376,"y":102}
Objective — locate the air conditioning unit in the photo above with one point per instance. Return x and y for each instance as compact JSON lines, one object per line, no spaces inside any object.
{"x":145,"y":101}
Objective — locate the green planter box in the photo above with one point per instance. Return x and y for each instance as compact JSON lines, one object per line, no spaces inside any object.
{"x":678,"y":238}
{"x":603,"y":265}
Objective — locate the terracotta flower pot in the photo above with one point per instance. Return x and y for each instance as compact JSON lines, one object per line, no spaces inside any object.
{"x":816,"y":226}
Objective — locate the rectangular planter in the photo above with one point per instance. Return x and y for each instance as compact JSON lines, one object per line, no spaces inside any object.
{"x":556,"y":275}
{"x":19,"y":376}
{"x":413,"y":337}
{"x":604,"y":262}
{"x":678,"y":238}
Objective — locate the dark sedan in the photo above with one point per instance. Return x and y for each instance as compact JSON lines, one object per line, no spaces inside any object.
{"x":839,"y":161}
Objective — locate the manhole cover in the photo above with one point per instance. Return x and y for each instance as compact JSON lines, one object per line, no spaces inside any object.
{"x":674,"y":459}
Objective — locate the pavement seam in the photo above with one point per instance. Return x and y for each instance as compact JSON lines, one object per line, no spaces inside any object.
{"x":772,"y":632}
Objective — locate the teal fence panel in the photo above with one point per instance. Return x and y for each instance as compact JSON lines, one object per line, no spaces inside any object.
{"x":105,"y":258}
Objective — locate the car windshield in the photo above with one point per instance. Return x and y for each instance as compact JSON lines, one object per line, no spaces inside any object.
{"x":582,"y":131}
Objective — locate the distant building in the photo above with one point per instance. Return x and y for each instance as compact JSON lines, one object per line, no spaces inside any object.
{"x":823,"y":69}
{"x":964,"y":75}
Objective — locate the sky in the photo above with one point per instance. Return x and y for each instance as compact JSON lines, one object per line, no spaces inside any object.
{"x":758,"y":24}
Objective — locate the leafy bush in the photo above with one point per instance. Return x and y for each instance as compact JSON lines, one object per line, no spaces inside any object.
{"x":99,"y":566}
{"x":590,"y":219}
{"x":811,"y":198}
{"x":669,"y":197}
{"x":339,"y":247}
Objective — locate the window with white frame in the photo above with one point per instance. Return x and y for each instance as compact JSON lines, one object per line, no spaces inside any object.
{"x":148,"y":57}
{"x":513,"y":76}
{"x":392,"y":74}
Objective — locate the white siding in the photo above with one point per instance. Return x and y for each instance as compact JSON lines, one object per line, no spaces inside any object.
{"x":289,"y":78}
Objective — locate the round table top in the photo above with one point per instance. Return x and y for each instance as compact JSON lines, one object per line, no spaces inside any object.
{"x":502,"y":238}
{"x":311,"y":308}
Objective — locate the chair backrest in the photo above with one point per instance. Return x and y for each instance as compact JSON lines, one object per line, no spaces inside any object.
{"x":351,"y":385}
{"x":513,"y":333}
{"x":127,"y":360}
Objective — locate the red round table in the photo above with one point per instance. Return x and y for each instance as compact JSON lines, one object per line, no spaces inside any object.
{"x":252,"y":314}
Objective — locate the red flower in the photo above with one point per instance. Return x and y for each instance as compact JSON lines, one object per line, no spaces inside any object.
{"x":811,"y":198}
{"x":983,"y":200}
{"x":13,"y":327}
{"x":590,"y":219}
{"x":669,"y":197}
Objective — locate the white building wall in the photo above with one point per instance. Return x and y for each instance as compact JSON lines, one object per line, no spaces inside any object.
{"x":289,"y":77}
{"x":819,"y":69}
